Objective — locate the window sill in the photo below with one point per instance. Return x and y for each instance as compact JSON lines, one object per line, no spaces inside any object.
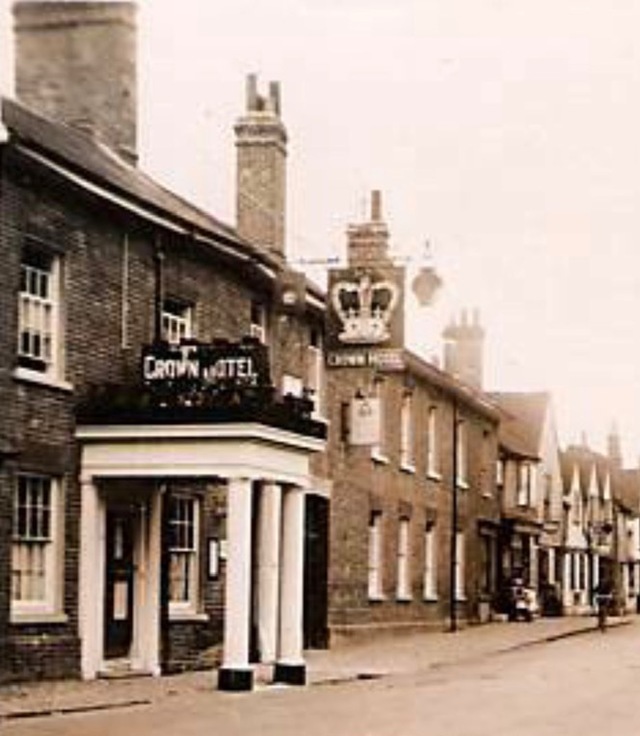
{"x":463,"y":485}
{"x":378,"y":458}
{"x":27,"y":618}
{"x":431,"y":599}
{"x":434,"y":475}
{"x":408,"y":468}
{"x":24,"y":374}
{"x":377,"y":598}
{"x":187,"y":617}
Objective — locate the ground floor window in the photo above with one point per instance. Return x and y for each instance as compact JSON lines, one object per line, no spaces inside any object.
{"x":183,"y":551}
{"x":430,"y":570}
{"x":459,"y":567}
{"x":403,"y":589}
{"x":33,"y":549}
{"x":375,"y":555}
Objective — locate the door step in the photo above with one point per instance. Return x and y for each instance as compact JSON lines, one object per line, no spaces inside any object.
{"x":121,"y":669}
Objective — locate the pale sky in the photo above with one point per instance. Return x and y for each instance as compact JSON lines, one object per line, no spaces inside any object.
{"x":507,"y":132}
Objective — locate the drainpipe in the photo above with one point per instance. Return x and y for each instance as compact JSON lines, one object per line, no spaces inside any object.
{"x":454,"y":522}
{"x":158,"y":258}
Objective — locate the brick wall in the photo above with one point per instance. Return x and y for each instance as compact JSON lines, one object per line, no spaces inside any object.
{"x":362,"y":485}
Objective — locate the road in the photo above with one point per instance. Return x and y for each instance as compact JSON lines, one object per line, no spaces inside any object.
{"x":584,"y":685}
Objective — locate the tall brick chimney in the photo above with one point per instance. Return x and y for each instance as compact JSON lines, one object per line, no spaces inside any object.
{"x":464,"y":348}
{"x":76,"y":63}
{"x":261,"y":142}
{"x":369,"y":241}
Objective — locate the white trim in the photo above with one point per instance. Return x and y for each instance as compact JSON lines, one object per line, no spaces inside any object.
{"x":42,"y":379}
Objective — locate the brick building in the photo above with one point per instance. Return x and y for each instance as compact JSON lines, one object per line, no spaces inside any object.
{"x":413,"y":451}
{"x":157,"y":443}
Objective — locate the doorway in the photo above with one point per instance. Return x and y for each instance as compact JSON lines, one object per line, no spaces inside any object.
{"x":119,"y":581}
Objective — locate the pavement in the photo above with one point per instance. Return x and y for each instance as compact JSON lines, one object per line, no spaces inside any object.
{"x":379,"y":656}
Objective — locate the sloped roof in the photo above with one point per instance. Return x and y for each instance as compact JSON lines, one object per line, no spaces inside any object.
{"x":628,"y":490}
{"x":523,"y":416}
{"x":85,"y":155}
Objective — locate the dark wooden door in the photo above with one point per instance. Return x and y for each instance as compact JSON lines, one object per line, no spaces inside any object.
{"x":119,"y":601}
{"x":316,"y":570}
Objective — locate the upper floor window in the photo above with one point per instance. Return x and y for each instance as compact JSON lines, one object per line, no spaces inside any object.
{"x":406,"y":432}
{"x":500,"y":472}
{"x":433,"y":468}
{"x":259,"y":321}
{"x":315,"y":371}
{"x":177,"y":321}
{"x":183,"y":551}
{"x":39,"y":312}
{"x":34,"y":574}
{"x":379,"y":448}
{"x":525,"y":484}
{"x":461,"y":453}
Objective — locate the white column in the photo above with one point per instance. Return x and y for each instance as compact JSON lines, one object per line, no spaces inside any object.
{"x":236,"y":673}
{"x":269,"y":516}
{"x":91,"y":594}
{"x":290,"y":666}
{"x":150,"y":584}
{"x":551,"y":565}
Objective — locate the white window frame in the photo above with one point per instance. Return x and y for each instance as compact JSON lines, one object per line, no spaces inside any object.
{"x":291,"y":385}
{"x":430,"y":582}
{"x":433,"y":465}
{"x":379,"y":448}
{"x":258,"y":327}
{"x":524,"y":483}
{"x":403,"y":567}
{"x":407,"y":457}
{"x":315,"y":373}
{"x":374,"y":565}
{"x":189,"y":553}
{"x":177,"y":321}
{"x":48,"y":603}
{"x":459,"y":577}
{"x":462,"y":454}
{"x":39,"y":315}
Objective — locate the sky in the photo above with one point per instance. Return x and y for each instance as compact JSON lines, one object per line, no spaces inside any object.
{"x":505,"y":133}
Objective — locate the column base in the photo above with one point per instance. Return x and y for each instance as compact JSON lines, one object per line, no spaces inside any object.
{"x":235,"y":680}
{"x":290,"y":674}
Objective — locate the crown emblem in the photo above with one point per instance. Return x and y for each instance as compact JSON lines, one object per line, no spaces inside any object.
{"x":365,"y":308}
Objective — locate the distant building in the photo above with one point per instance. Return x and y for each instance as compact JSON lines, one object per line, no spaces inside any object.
{"x":413,"y":535}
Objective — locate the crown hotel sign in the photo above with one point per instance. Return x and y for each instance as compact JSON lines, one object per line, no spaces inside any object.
{"x":365,"y":320}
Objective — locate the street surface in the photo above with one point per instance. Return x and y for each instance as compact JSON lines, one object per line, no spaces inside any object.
{"x":586,"y":685}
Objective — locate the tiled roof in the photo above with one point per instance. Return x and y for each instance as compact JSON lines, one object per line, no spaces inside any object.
{"x":85,"y":155}
{"x":522,"y":421}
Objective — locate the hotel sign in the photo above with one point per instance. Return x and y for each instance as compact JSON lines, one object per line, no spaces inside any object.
{"x":198,"y":366}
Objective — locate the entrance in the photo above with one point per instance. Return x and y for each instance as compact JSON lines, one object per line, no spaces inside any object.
{"x":316,"y":569}
{"x":119,"y":583}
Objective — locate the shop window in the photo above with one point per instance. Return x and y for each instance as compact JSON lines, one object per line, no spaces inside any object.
{"x":403,"y":586}
{"x":33,"y":551}
{"x":375,"y":556}
{"x":430,"y":562}
{"x":39,"y":313}
{"x":433,"y":468}
{"x":177,"y":321}
{"x":183,"y":551}
{"x":406,"y":433}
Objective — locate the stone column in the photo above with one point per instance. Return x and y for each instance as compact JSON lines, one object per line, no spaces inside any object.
{"x":236,"y":673}
{"x":290,"y":667}
{"x":269,"y":518}
{"x":91,"y":594}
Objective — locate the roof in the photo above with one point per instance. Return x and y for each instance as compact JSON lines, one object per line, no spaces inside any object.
{"x":463,"y":392}
{"x":83,"y":154}
{"x":523,"y":416}
{"x":628,"y":490}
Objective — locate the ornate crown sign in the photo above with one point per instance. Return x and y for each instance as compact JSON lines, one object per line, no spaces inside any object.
{"x":365,"y":308}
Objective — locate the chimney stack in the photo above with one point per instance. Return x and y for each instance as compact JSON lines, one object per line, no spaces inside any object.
{"x":75,"y":62}
{"x":261,"y":142}
{"x":464,"y":347}
{"x":368,"y":242}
